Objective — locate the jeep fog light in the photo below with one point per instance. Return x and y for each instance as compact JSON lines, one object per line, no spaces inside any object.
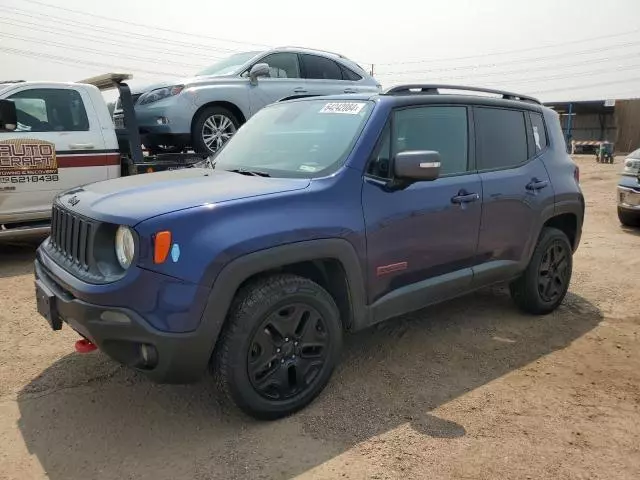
{"x":114,"y":317}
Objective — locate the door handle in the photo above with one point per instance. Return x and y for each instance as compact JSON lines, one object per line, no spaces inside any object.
{"x":464,"y":197}
{"x":350,"y":90}
{"x":81,"y":146}
{"x":536,"y":184}
{"x":299,"y":90}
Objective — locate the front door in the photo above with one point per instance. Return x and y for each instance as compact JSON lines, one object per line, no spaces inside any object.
{"x":422,"y":239}
{"x":58,"y":145}
{"x":516,"y":188}
{"x":285,"y":81}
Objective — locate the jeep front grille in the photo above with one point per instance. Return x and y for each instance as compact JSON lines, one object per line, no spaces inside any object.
{"x":71,"y":236}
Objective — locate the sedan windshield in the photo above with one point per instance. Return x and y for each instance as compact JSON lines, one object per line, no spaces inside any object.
{"x":296,"y":139}
{"x":228,"y":65}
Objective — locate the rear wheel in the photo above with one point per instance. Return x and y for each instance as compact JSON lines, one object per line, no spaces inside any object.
{"x":628,"y":219}
{"x":212,"y":128}
{"x":544,"y":284}
{"x":279,"y":347}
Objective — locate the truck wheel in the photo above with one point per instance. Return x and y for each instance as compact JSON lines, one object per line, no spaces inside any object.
{"x":628,"y":219}
{"x":279,"y":347}
{"x":544,"y":284}
{"x":212,"y":128}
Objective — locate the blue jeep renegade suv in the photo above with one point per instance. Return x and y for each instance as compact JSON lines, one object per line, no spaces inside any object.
{"x":321,"y":216}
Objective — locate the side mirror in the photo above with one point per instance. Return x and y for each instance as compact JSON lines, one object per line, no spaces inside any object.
{"x":417,"y":165}
{"x":259,"y":70}
{"x":8,"y":115}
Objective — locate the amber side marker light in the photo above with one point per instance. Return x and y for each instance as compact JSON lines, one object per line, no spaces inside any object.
{"x":161,"y":246}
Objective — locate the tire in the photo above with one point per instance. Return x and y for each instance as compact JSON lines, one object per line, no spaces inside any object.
{"x":628,"y":219}
{"x":281,"y":342}
{"x":537,"y":292}
{"x":203,"y":125}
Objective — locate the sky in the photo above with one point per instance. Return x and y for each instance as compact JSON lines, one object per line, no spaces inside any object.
{"x":555,"y":50}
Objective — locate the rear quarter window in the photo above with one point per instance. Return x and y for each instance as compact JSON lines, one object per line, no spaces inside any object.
{"x":539,"y":131}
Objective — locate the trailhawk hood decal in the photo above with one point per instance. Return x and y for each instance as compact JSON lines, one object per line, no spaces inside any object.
{"x":130,"y":200}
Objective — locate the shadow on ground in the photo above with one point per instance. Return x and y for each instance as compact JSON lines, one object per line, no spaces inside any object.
{"x":85,"y":417}
{"x":631,"y":230}
{"x":17,"y":258}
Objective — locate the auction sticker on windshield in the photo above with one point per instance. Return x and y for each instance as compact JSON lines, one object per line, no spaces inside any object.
{"x":349,"y":108}
{"x":27,"y":160}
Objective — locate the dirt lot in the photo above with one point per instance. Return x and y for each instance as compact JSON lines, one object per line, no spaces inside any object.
{"x":469,"y":389}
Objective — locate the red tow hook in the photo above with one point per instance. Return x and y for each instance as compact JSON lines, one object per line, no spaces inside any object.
{"x":85,"y":346}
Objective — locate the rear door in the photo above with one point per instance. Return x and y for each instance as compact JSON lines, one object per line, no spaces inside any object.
{"x":323,"y":76}
{"x":285,"y":81}
{"x":58,"y":145}
{"x":515,"y":189}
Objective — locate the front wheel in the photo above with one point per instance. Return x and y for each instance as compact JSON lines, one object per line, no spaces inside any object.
{"x":280,"y":345}
{"x":212,"y":128}
{"x":544,"y":284}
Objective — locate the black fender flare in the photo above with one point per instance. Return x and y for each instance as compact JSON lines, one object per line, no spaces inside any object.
{"x":234,"y":273}
{"x":574,"y":206}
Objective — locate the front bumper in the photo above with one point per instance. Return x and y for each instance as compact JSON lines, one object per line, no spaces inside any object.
{"x":121,"y":333}
{"x":169,"y":116}
{"x":628,"y":198}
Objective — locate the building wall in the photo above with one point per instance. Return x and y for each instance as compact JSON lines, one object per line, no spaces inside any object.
{"x":589,"y":126}
{"x":627,"y":120}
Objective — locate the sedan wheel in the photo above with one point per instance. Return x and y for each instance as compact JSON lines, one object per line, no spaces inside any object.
{"x":216,"y":131}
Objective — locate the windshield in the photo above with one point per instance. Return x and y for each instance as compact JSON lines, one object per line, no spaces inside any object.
{"x":296,"y":139}
{"x":228,"y":65}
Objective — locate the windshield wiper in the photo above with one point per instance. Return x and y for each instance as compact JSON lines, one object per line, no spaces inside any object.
{"x":253,"y":173}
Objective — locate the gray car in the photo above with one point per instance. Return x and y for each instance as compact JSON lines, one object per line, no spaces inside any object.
{"x":204,"y":111}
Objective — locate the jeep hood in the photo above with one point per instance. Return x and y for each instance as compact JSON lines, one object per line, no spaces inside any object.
{"x":130,"y":200}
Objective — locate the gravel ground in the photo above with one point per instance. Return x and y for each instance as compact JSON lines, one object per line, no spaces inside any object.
{"x":468,"y":389}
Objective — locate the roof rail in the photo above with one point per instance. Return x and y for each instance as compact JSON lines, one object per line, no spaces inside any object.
{"x":408,"y":89}
{"x":12,"y":81}
{"x":313,"y":50}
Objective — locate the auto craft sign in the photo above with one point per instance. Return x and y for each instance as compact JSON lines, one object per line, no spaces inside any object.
{"x":27,"y":157}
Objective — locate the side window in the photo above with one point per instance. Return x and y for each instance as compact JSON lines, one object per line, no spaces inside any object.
{"x":501,"y":138}
{"x":443,"y":129}
{"x":539,"y":132}
{"x":316,"y":67}
{"x":283,"y":65}
{"x":50,"y":110}
{"x":350,"y":75}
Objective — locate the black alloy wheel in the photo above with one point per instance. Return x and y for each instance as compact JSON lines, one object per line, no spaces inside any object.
{"x":288,"y":351}
{"x":552,"y":273}
{"x":280,"y":344}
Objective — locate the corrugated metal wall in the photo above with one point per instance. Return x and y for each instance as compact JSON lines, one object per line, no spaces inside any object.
{"x":627,"y":121}
{"x":588,"y":126}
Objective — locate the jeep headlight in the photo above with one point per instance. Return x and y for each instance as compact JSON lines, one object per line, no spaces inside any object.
{"x":159,"y":94}
{"x":125,"y":246}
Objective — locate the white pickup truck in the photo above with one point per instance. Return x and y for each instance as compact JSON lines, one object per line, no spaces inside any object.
{"x":56,"y":136}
